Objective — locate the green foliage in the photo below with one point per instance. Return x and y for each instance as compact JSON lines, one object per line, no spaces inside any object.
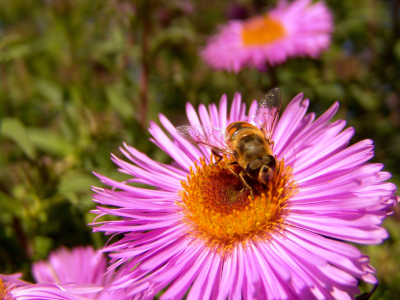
{"x":15,"y":130}
{"x":79,"y":77}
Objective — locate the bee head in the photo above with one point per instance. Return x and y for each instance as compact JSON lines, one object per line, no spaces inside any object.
{"x":265,"y":174}
{"x":262,"y":169}
{"x":267,"y":169}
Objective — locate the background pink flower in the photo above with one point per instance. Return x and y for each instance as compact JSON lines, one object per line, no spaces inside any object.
{"x":81,"y":265}
{"x":296,"y":29}
{"x":11,"y":288}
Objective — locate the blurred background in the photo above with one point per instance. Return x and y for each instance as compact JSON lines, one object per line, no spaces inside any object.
{"x":79,"y":77}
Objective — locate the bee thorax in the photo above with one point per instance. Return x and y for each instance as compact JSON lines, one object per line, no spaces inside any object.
{"x":251,"y":148}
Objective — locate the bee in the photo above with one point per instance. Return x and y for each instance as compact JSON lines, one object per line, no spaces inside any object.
{"x":250,"y":144}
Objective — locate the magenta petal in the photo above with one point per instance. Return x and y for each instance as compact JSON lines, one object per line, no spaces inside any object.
{"x":235,"y":110}
{"x":228,"y":276}
{"x":223,"y":112}
{"x":184,"y":281}
{"x":198,"y":286}
{"x":214,"y":115}
{"x":204,"y":116}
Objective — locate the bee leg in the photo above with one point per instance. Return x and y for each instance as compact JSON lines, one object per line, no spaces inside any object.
{"x":278,"y":167}
{"x":236,"y":174}
{"x":232,"y":163}
{"x":247,"y":186}
{"x":240,"y":175}
{"x":229,"y":168}
{"x":217,"y":155}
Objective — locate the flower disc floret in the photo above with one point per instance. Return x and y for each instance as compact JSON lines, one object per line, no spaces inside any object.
{"x":262,"y":30}
{"x":221,"y":212}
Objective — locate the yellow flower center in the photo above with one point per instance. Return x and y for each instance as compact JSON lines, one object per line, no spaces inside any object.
{"x":4,"y":290}
{"x":262,"y":30}
{"x":222,"y":213}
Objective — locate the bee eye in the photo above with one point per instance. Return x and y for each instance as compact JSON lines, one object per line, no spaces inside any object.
{"x":270,"y":161}
{"x":255,"y":164}
{"x":253,"y":168}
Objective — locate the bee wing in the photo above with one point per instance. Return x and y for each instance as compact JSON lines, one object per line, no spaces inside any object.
{"x":208,"y":136}
{"x":267,"y":112}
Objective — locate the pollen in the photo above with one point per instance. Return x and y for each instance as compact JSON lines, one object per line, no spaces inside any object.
{"x":262,"y":30}
{"x":221,"y":212}
{"x":5,"y":290}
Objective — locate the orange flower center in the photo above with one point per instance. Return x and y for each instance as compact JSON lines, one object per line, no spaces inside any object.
{"x":261,"y":31}
{"x":222,"y":213}
{"x":4,"y":290}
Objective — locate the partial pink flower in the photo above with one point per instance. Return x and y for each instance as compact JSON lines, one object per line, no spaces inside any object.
{"x":196,"y":228}
{"x":11,"y":288}
{"x":296,"y":29}
{"x":81,"y":265}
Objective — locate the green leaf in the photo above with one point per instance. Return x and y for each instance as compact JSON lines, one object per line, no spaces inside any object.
{"x":8,"y":203}
{"x":76,"y":182}
{"x":397,"y":49}
{"x":11,"y":47}
{"x":49,"y":141}
{"x":173,"y":35}
{"x":42,"y":246}
{"x":16,"y":130}
{"x":330,"y":92}
{"x":50,"y":90}
{"x":120,"y":103}
{"x":366,"y":99}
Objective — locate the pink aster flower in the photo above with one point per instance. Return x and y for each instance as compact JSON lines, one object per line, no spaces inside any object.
{"x":197,"y":228}
{"x":81,"y":265}
{"x":296,"y":29}
{"x":11,"y":288}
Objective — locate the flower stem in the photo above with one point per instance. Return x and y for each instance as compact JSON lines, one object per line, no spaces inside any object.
{"x":22,"y":237}
{"x":144,"y":80}
{"x":274,"y":78}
